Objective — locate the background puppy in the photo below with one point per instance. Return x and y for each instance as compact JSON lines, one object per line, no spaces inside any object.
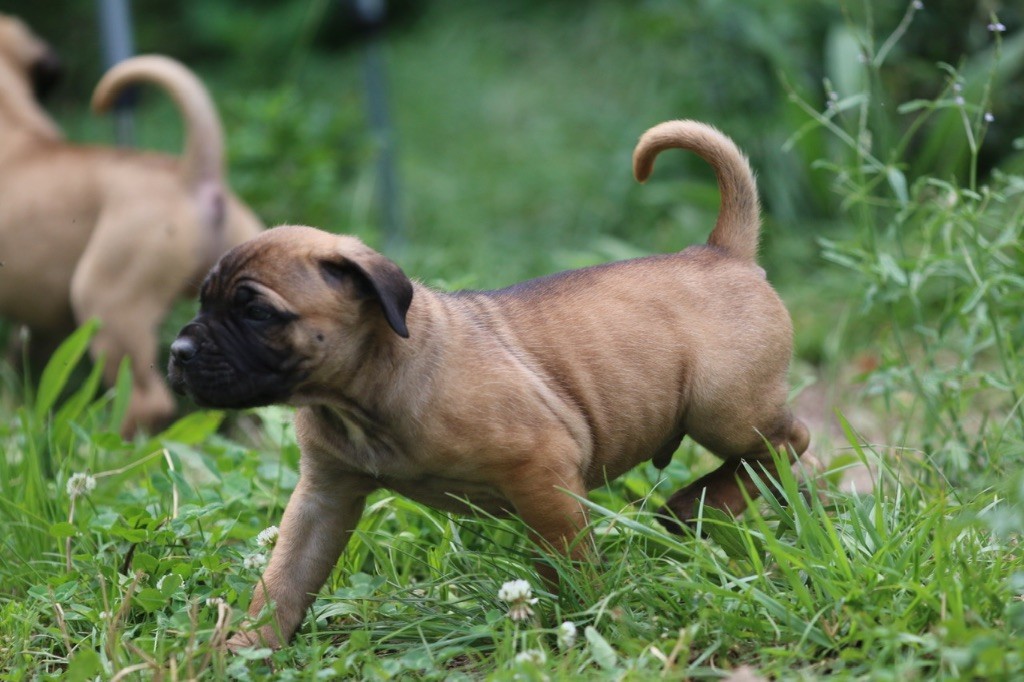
{"x":108,"y":233}
{"x":508,"y":399}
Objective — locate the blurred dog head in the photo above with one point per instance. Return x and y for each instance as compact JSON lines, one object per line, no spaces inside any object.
{"x":287,"y":316}
{"x":27,"y":57}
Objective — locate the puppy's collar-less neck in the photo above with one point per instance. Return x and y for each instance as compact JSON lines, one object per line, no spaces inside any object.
{"x":368,"y":446}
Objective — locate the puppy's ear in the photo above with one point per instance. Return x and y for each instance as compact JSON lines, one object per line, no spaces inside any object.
{"x":374,"y":276}
{"x":45,"y":72}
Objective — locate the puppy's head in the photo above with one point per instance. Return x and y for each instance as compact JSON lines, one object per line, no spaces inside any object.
{"x":27,"y":56}
{"x":291,"y":314}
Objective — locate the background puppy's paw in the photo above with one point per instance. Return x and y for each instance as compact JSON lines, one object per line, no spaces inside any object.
{"x":242,"y":640}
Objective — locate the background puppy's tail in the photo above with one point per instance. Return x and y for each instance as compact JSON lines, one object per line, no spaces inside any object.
{"x":739,"y":218}
{"x":202,"y":163}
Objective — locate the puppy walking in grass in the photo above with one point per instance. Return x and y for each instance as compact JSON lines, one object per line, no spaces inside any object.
{"x":505,"y":399}
{"x":109,"y":233}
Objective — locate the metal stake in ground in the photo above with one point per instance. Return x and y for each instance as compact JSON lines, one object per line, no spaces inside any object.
{"x":117,"y":44}
{"x":371,"y":15}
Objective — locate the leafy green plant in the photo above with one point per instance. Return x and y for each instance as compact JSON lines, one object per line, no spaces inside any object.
{"x":938,"y":262}
{"x":306,"y":161}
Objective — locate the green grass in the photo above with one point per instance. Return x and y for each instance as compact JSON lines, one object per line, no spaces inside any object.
{"x":515,"y":130}
{"x":915,"y":580}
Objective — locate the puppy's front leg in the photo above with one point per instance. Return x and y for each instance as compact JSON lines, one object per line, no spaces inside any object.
{"x":318,"y":522}
{"x":555,"y":518}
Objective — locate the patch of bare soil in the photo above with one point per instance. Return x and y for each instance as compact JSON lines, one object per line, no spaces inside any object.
{"x":818,"y":405}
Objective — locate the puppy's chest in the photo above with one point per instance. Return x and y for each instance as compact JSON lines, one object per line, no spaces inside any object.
{"x":370,"y":449}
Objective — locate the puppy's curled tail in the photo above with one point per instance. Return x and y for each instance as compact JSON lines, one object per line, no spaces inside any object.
{"x":739,"y":219}
{"x":202,"y":163}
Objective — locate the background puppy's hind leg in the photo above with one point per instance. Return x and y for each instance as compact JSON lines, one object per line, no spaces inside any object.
{"x":151,"y":405}
{"x":130,"y":295}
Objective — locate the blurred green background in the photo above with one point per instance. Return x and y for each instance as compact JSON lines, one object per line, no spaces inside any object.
{"x":514,"y":121}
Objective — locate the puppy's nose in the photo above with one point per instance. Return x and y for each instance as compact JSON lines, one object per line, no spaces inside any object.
{"x":183,"y":349}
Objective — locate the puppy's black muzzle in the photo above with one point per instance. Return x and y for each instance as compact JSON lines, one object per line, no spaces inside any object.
{"x":221,"y":363}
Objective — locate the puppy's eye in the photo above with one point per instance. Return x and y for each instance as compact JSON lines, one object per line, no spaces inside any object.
{"x":255,"y":312}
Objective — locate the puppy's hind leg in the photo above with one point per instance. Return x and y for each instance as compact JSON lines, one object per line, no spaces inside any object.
{"x":724,"y":487}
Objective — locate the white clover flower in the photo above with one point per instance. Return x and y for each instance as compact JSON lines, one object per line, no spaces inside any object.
{"x":989,"y":117}
{"x":517,"y":594}
{"x":959,"y":101}
{"x":534,"y":656}
{"x":566,"y":635}
{"x":997,"y":27}
{"x":80,"y":484}
{"x":214,"y":602}
{"x":255,"y":560}
{"x":514,"y":590}
{"x":268,"y":537}
{"x":918,"y":5}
